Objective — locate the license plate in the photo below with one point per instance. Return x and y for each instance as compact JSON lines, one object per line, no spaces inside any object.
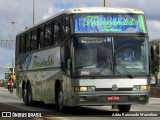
{"x":110,"y":98}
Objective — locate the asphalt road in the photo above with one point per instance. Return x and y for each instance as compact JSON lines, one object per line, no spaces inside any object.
{"x":11,"y":103}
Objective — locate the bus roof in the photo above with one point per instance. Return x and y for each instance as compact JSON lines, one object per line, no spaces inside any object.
{"x":102,"y":10}
{"x":90,"y":10}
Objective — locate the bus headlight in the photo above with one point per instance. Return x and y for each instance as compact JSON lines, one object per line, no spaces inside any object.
{"x":147,"y":87}
{"x":84,"y":88}
{"x":141,"y":87}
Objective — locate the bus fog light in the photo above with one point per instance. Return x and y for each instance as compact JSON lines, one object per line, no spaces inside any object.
{"x":142,"y":97}
{"x":82,"y":98}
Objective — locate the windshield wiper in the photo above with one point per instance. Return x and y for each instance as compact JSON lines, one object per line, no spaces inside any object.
{"x":129,"y":74}
{"x":106,"y":65}
{"x":87,"y":65}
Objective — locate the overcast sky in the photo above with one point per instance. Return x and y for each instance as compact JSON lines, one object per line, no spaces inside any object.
{"x":20,"y":11}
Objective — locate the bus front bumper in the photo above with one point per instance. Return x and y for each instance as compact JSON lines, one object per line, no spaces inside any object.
{"x":110,"y":98}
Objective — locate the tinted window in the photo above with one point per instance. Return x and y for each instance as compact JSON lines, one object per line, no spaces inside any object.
{"x":22,"y":44}
{"x":65,"y":28}
{"x":56,"y":31}
{"x":28,"y":38}
{"x":48,"y":35}
{"x":34,"y":40}
{"x":41,"y":38}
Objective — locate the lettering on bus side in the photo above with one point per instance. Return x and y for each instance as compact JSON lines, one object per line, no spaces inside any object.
{"x":26,"y":64}
{"x":43,"y":62}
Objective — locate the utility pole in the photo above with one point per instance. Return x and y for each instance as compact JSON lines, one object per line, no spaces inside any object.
{"x":104,"y":3}
{"x":13,"y":23}
{"x":33,"y":12}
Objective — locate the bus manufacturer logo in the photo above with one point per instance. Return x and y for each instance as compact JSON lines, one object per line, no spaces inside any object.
{"x":114,"y":87}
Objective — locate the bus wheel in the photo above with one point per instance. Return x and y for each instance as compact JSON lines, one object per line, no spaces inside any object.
{"x":25,"y":100}
{"x":29,"y":95}
{"x":124,"y":108}
{"x":59,"y":100}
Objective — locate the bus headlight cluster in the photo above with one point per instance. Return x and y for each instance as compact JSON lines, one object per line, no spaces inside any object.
{"x":84,"y":88}
{"x":141,"y":87}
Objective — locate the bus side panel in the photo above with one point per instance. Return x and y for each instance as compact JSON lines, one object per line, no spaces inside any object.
{"x":41,"y":69}
{"x":67,"y":90}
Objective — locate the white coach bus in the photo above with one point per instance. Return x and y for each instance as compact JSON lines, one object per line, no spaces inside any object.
{"x":85,"y":57}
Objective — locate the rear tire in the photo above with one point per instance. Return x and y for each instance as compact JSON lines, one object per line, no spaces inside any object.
{"x":29,"y":95}
{"x":124,"y":108}
{"x":24,"y":91}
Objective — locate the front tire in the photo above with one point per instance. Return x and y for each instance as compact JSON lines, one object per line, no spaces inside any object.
{"x":59,"y":100}
{"x":124,"y":108}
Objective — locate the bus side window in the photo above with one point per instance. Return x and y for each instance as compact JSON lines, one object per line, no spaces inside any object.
{"x":157,"y":51}
{"x":48,"y":35}
{"x":56,"y":28}
{"x":41,"y":37}
{"x":28,"y":38}
{"x":34,"y":40}
{"x":65,"y":55}
{"x":65,"y":28}
{"x":22,"y":44}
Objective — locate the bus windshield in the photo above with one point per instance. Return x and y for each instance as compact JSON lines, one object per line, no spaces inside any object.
{"x":91,"y":54}
{"x":131,"y":55}
{"x":94,"y":55}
